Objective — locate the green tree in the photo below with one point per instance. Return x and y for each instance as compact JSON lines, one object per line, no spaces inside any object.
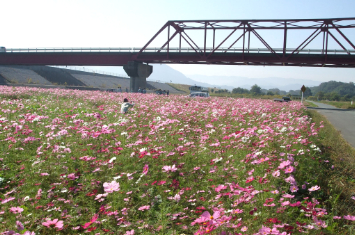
{"x":270,"y":93}
{"x":240,"y":90}
{"x":255,"y":90}
{"x":320,"y":95}
{"x":334,"y":96}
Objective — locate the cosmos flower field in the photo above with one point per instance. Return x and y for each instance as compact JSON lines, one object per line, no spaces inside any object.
{"x":71,"y":163}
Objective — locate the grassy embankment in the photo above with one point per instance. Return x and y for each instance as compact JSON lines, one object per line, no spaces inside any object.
{"x":180,"y":87}
{"x":338,"y":183}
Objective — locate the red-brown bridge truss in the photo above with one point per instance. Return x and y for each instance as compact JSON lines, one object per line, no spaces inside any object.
{"x":225,"y":42}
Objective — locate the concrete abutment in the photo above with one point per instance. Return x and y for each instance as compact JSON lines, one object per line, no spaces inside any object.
{"x":138,"y":73}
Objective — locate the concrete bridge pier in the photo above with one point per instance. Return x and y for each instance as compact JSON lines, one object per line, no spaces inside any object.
{"x":138,"y":72}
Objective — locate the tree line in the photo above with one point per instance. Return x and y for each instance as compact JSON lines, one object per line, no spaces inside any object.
{"x":332,"y":90}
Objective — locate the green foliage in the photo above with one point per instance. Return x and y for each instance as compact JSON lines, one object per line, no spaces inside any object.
{"x":255,"y":89}
{"x":325,"y":89}
{"x":240,"y":90}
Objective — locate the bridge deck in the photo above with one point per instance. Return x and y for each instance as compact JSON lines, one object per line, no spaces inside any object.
{"x":121,"y":58}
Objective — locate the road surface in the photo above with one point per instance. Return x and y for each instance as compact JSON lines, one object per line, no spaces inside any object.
{"x":342,"y":119}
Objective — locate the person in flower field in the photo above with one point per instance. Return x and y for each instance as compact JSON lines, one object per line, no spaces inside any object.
{"x":125,"y":106}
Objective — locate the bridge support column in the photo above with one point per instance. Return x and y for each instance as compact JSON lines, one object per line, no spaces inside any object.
{"x":138,"y":72}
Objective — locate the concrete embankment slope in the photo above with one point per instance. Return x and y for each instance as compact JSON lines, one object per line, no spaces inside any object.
{"x":342,"y":119}
{"x":50,"y":77}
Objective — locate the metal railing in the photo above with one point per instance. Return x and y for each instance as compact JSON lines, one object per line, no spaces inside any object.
{"x":174,"y":50}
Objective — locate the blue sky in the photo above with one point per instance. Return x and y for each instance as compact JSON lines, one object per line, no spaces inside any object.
{"x":109,"y":23}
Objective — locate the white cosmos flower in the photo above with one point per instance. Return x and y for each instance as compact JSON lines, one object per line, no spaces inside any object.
{"x":112,"y":159}
{"x":117,"y":177}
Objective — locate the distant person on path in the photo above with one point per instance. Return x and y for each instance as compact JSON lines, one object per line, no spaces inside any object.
{"x":139,"y":90}
{"x":144,"y":91}
{"x":167,"y":92}
{"x":125,"y":106}
{"x":119,"y":89}
{"x":126,"y":89}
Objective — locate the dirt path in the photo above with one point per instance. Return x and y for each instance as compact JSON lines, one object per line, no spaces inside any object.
{"x":342,"y":119}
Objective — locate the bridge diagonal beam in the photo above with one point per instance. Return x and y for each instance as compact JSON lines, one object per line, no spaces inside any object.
{"x":190,"y":44}
{"x":339,"y":43}
{"x":341,"y":33}
{"x":305,"y":41}
{"x":167,"y":42}
{"x":265,"y":43}
{"x":309,"y":41}
{"x":147,"y":44}
{"x":235,"y":42}
{"x":223,"y":41}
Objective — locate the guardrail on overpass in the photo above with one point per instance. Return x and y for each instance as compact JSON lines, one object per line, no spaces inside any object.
{"x":182,"y":50}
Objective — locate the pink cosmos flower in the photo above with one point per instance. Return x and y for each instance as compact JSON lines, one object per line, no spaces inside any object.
{"x":220,"y":187}
{"x":275,"y":191}
{"x":206,"y":216}
{"x":7,"y":200}
{"x":29,"y":233}
{"x":284,"y":164}
{"x":111,"y":187}
{"x":336,"y":217}
{"x":264,"y":230}
{"x":39,"y":193}
{"x":16,"y":210}
{"x":98,"y":196}
{"x":238,"y":211}
{"x":145,"y":169}
{"x":169,"y":168}
{"x":143,"y":208}
{"x":349,"y":217}
{"x":314,"y":188}
{"x":130,"y":232}
{"x":293,"y":188}
{"x":319,"y":222}
{"x":289,"y":169}
{"x":175,"y":198}
{"x":276,"y":173}
{"x":19,"y":225}
{"x":72,"y":176}
{"x":244,"y":228}
{"x":54,"y":224}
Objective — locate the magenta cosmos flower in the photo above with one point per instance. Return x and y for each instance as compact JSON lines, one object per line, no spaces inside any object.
{"x":111,"y":187}
{"x":54,"y":224}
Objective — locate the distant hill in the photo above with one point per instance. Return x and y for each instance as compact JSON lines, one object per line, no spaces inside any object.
{"x":164,"y":73}
{"x":341,"y":88}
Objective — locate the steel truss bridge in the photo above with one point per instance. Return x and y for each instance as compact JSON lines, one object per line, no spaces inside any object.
{"x":180,"y":45}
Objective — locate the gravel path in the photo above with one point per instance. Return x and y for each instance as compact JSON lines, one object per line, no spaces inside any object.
{"x":342,"y":119}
